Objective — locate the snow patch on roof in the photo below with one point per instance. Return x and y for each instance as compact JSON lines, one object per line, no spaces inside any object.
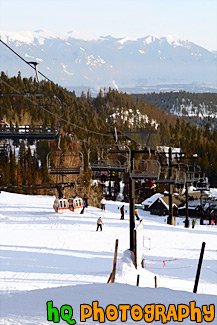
{"x":151,"y":199}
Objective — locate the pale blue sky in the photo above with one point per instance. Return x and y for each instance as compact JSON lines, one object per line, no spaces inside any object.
{"x":193,"y":20}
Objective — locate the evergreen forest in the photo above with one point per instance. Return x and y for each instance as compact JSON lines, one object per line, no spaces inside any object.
{"x":82,"y":121}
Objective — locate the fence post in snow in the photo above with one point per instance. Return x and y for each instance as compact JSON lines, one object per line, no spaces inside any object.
{"x":137,"y":282}
{"x":155,"y":281}
{"x":115,"y":261}
{"x":199,"y":267}
{"x":112,"y":275}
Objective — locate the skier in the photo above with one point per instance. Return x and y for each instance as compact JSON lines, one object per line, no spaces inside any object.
{"x":99,"y":224}
{"x":85,"y":198}
{"x":103,"y":203}
{"x":82,"y":211}
{"x":193,"y":223}
{"x":122,"y":212}
{"x":136,"y":215}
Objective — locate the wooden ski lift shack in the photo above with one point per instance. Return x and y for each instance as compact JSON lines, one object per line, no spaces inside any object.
{"x":32,"y":131}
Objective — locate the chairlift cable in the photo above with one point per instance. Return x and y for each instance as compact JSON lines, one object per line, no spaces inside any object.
{"x":33,"y":67}
{"x":38,"y":72}
{"x":61,"y":119}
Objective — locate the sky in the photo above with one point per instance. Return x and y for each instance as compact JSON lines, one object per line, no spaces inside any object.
{"x":193,"y":20}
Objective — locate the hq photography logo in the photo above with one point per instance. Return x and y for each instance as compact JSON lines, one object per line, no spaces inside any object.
{"x":124,"y":312}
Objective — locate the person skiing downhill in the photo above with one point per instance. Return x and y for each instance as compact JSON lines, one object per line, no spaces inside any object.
{"x":99,"y":224}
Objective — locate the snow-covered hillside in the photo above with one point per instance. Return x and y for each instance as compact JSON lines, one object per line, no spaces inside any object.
{"x":199,"y":109}
{"x":72,"y":60}
{"x":61,"y":258}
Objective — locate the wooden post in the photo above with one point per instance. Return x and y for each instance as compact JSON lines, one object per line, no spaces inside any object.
{"x":199,"y":267}
{"x":135,"y":248}
{"x":132,"y":209}
{"x":143,"y":263}
{"x":110,"y":276}
{"x":137,"y":283}
{"x":155,"y":281}
{"x":171,"y":218}
{"x":115,"y":262}
{"x":187,"y":223}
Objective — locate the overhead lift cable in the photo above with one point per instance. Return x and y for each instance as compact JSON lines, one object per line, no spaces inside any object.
{"x":33,"y":66}
{"x":51,"y":113}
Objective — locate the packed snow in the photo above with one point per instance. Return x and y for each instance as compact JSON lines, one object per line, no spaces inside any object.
{"x":47,"y":256}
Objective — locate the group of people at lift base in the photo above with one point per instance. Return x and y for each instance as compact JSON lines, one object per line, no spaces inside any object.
{"x":76,"y":204}
{"x":103,"y":205}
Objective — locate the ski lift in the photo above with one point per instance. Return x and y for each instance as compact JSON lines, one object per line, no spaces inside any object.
{"x":32,"y":132}
{"x":75,"y":204}
{"x":110,"y":160}
{"x":61,"y":205}
{"x":146,"y":169}
{"x":180,"y":177}
{"x":68,"y":162}
{"x":202,"y":183}
{"x":193,"y":174}
{"x":109,"y":165}
{"x":4,"y":150}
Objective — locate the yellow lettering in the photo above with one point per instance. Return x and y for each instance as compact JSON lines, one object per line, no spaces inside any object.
{"x":183,"y":312}
{"x":124,"y":309}
{"x":111,"y":313}
{"x":136,"y":313}
{"x":209,"y":314}
{"x":171,"y":313}
{"x":196,"y":313}
{"x":160,"y":311}
{"x":149,"y":313}
{"x":85,"y":314}
{"x":98,"y":313}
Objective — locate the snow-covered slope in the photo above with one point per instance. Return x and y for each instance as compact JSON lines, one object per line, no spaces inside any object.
{"x":72,"y":60}
{"x":61,"y":258}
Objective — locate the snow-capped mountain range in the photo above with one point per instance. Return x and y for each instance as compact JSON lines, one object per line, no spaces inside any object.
{"x":72,"y":60}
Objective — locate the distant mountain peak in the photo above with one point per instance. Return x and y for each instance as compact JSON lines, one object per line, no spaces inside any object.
{"x":30,"y":37}
{"x":38,"y":31}
{"x":75,"y":59}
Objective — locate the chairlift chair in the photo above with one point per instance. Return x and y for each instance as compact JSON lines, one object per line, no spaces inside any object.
{"x":180,"y":177}
{"x":110,"y":160}
{"x":68,"y":162}
{"x":108,"y":165}
{"x":201,"y":184}
{"x":146,"y":169}
{"x":4,"y":150}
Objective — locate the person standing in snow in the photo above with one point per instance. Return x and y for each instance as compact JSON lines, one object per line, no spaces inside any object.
{"x":122,"y":212}
{"x":99,"y":224}
{"x":85,"y":198}
{"x":103,"y":203}
{"x":136,"y":214}
{"x":193,"y":223}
